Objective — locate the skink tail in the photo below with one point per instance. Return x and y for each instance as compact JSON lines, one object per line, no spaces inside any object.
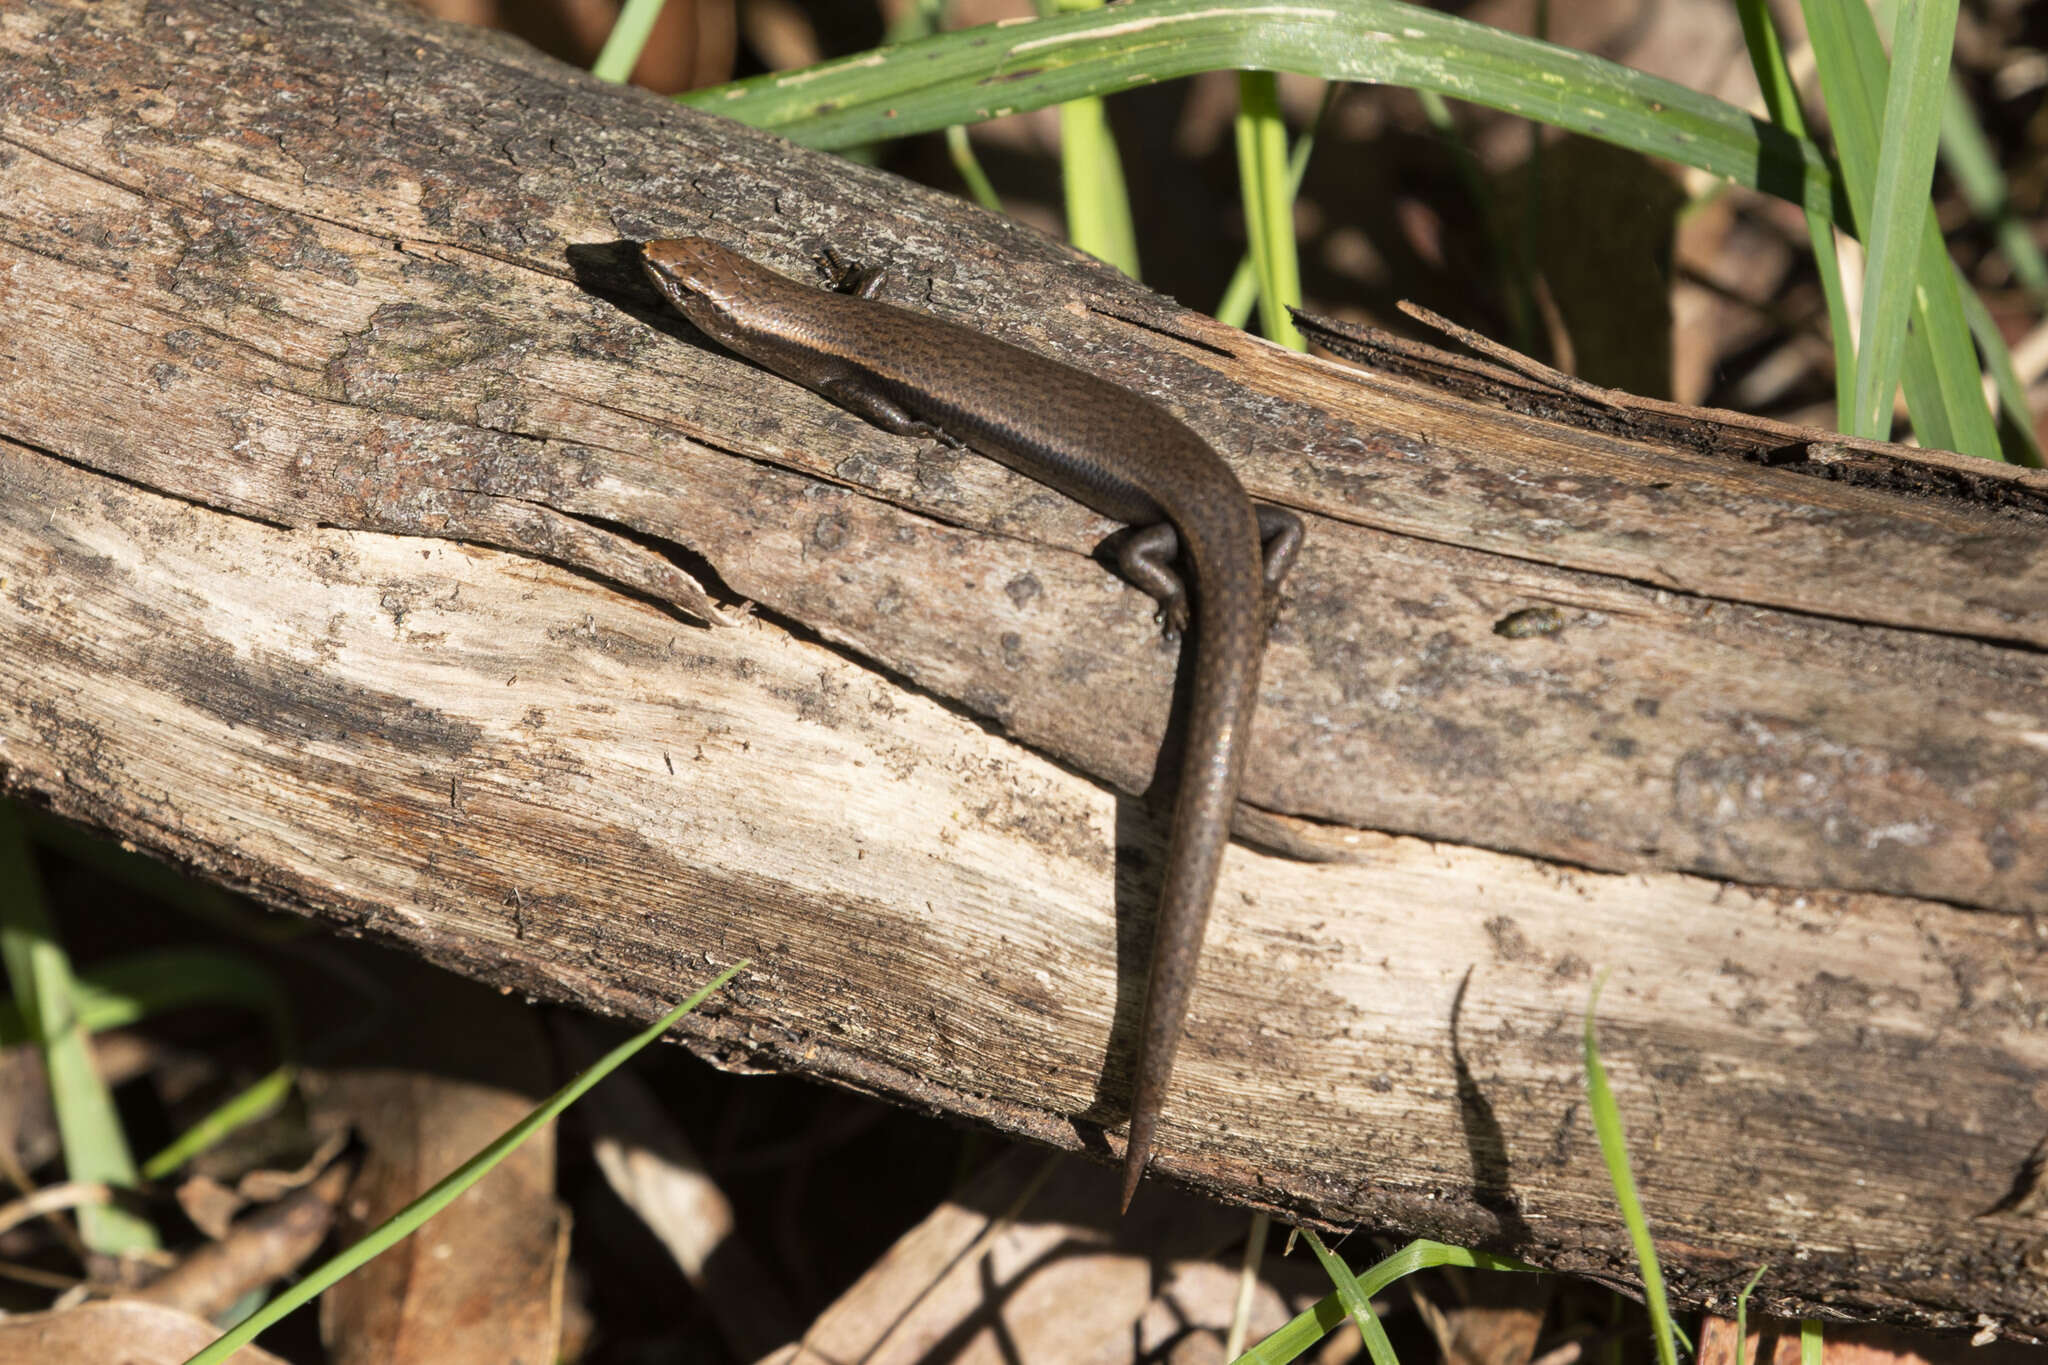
{"x":1226,"y":681}
{"x":1137,"y":1156}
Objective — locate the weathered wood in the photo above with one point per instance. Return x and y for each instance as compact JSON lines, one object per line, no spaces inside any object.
{"x":332,"y":426}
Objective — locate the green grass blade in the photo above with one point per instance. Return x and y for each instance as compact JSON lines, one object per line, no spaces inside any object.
{"x":1357,"y":1303}
{"x":1299,"y":1335}
{"x":1767,"y":59}
{"x":1827,"y":263}
{"x":1969,"y":156}
{"x":1312,"y":1324}
{"x":2020,"y":444}
{"x":254,"y":1102}
{"x":408,"y":1219}
{"x":1268,"y":205}
{"x":1614,"y":1151}
{"x":1242,"y":293}
{"x":1742,"y":1314}
{"x":1901,"y":193}
{"x":1971,"y":161}
{"x":1781,"y":98}
{"x":980,"y":73}
{"x":1809,"y":1341}
{"x":919,"y":20}
{"x":117,"y":994}
{"x":628,"y":38}
{"x":979,"y":186}
{"x":1092,"y":176}
{"x":39,"y":975}
{"x":1940,"y":372}
{"x":1941,"y":337}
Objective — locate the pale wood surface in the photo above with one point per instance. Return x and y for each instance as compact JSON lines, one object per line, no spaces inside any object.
{"x":353,"y":506}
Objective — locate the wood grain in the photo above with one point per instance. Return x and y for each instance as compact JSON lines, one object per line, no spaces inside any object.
{"x":360,"y":518}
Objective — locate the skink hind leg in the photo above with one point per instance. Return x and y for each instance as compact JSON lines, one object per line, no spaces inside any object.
{"x":1280,"y":534}
{"x":1147,"y":563}
{"x":1147,"y":560}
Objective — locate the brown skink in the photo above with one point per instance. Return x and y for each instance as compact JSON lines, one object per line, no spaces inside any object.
{"x":1119,"y":452}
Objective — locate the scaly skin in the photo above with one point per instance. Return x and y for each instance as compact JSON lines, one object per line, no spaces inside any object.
{"x":1119,"y":452}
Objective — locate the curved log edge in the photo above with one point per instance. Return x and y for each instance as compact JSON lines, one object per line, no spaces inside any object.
{"x":350,"y":494}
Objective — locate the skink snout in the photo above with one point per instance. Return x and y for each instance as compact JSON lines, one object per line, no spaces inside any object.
{"x":684,"y":267}
{"x":705,"y":281}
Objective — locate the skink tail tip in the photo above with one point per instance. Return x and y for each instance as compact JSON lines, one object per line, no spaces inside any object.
{"x":1137,"y":1155}
{"x":1138,"y":1146}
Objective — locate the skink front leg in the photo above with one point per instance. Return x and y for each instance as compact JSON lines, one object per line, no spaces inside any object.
{"x":850,"y":277}
{"x":851,"y":393}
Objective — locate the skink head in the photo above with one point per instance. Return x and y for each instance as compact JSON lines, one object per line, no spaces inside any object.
{"x":708,"y":283}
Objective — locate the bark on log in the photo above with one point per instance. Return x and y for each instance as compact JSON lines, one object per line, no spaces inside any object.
{"x":353,"y":503}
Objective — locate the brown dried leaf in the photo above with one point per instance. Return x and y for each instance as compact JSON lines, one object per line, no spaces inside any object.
{"x":127,"y":1331}
{"x":1498,"y":1322}
{"x":481,"y":1282}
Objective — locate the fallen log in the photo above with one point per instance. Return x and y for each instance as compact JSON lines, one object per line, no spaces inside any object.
{"x":373,"y":543}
